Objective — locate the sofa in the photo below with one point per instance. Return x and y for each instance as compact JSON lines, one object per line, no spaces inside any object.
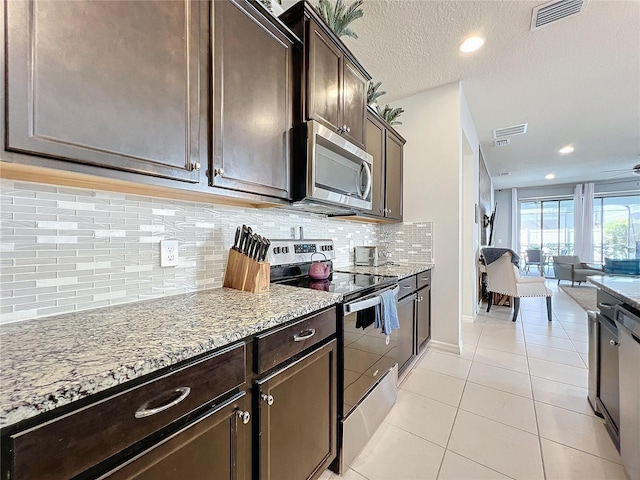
{"x":570,"y":268}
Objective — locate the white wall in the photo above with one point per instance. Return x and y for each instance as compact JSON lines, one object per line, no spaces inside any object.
{"x":502,"y":223}
{"x":432,"y":189}
{"x":470,"y":196}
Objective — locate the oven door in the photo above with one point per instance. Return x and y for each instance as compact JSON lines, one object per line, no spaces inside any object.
{"x":339,"y":172}
{"x":370,"y":376}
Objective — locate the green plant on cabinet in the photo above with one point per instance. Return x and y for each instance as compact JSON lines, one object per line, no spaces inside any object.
{"x":339,"y":16}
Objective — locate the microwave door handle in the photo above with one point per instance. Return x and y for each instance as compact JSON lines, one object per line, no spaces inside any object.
{"x":365,"y":166}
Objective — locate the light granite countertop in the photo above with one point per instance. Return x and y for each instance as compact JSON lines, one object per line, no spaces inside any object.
{"x":50,"y":362}
{"x":399,"y":270}
{"x":624,"y":287}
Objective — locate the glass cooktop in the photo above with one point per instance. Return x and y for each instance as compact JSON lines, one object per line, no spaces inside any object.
{"x":346,"y":284}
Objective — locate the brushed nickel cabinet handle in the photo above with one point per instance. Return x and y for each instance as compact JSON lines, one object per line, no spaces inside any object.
{"x":304,"y":335}
{"x":244,"y":416}
{"x":267,"y":398}
{"x":218,"y":172}
{"x":145,"y":411}
{"x":613,"y":343}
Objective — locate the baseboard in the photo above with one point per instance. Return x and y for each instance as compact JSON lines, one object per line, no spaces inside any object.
{"x":445,"y":346}
{"x":468,"y":318}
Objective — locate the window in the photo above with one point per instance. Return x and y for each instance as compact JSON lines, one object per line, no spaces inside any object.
{"x":548,"y":225}
{"x":616,"y":229}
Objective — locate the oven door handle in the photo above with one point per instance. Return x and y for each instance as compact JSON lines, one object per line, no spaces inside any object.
{"x":367,"y":302}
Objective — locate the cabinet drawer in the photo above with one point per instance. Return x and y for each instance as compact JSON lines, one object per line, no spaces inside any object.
{"x":71,"y":444}
{"x":279,"y":345}
{"x":424,"y":279}
{"x":407,"y":286}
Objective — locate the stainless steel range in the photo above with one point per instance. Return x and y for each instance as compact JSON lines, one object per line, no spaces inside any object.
{"x":367,"y":361}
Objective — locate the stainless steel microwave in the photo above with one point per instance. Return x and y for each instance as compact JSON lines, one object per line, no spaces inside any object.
{"x":330,"y":171}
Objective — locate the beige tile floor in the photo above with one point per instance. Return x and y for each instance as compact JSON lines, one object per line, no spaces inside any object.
{"x":513,"y":405}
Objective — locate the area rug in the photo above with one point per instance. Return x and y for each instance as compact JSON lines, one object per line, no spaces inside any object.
{"x":584,"y":295}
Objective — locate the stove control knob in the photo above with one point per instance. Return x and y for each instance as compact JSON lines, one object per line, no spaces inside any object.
{"x":276,"y":249}
{"x":285,"y":249}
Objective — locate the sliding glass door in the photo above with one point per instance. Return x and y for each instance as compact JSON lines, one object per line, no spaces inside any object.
{"x":547,"y":225}
{"x":616,"y":229}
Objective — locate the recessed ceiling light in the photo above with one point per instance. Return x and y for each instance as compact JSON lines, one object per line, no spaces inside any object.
{"x":471,"y":44}
{"x":550,"y":176}
{"x":565,"y":150}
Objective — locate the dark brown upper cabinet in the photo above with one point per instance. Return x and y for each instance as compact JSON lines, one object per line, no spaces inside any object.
{"x":253,"y":101}
{"x":109,"y":84}
{"x":386,"y":147}
{"x":334,"y":84}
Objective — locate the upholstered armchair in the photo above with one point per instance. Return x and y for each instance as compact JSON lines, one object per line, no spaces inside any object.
{"x":570,"y":268}
{"x":534,"y":257}
{"x":504,"y":277}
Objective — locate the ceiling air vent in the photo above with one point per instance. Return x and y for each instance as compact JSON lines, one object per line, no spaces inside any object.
{"x":503,"y":142}
{"x":499,"y":133}
{"x":551,"y":12}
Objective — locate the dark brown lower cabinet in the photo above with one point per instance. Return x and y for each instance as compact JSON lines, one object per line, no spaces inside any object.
{"x":297,"y":417}
{"x":406,"y":315}
{"x":213,"y":446}
{"x":423,"y":317}
{"x":608,"y":385}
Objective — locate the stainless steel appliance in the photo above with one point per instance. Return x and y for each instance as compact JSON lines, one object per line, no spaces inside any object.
{"x":367,"y":360}
{"x":336,"y":176}
{"x":372,"y":256}
{"x":628,"y":321}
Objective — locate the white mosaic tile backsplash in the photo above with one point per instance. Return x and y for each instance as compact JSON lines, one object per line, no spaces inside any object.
{"x":67,"y":249}
{"x":408,"y":242}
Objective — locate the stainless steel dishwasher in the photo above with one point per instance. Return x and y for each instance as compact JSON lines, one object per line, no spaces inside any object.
{"x":628,"y":322}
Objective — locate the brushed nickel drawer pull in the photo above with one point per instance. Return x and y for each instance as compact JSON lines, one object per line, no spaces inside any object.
{"x":304,"y":335}
{"x":245,"y":417}
{"x":424,"y":278}
{"x":407,"y":286}
{"x":145,"y":411}
{"x":606,"y":306}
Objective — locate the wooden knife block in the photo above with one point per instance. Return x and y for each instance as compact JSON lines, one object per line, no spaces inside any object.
{"x":244,"y":273}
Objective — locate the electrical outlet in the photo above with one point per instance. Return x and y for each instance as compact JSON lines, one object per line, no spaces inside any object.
{"x":168,"y":253}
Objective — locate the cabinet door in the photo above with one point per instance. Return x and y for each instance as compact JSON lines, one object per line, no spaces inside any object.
{"x":354,"y":103}
{"x":629,"y":359}
{"x":253,"y":102}
{"x":210,"y":447}
{"x":324,"y":87}
{"x":393,"y":176}
{"x":423,"y":317}
{"x":298,"y":430}
{"x":608,"y":390}
{"x":406,"y":315}
{"x":112,"y":84}
{"x":374,"y":145}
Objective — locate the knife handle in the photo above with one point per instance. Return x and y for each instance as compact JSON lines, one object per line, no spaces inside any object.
{"x":237,"y":239}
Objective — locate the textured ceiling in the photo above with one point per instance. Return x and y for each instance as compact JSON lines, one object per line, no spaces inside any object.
{"x":576,"y":81}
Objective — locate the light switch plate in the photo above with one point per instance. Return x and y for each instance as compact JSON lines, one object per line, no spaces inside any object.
{"x":168,"y":253}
